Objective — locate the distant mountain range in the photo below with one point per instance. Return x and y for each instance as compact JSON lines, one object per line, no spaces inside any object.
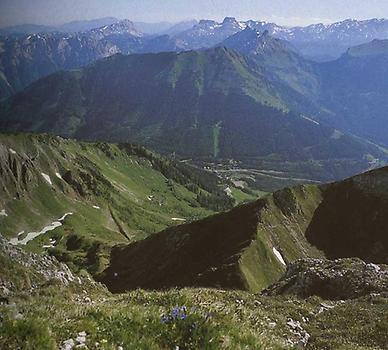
{"x":26,"y":59}
{"x":252,"y":95}
{"x":348,"y":93}
{"x":317,"y":41}
{"x":82,"y":26}
{"x":30,"y":52}
{"x":74,"y":26}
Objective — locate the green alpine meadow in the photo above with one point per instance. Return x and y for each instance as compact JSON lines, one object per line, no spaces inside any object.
{"x":172,"y":180}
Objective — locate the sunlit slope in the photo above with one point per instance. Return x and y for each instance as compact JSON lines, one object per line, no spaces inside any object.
{"x":110,"y":193}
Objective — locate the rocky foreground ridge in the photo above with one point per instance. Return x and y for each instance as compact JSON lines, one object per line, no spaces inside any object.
{"x":338,"y":279}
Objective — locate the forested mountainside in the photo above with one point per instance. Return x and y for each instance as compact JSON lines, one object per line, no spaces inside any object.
{"x":209,"y":104}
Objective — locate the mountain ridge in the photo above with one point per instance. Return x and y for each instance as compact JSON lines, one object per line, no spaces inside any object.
{"x":175,"y":94}
{"x":249,"y":247}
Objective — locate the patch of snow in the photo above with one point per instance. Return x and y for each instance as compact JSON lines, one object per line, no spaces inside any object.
{"x":228,"y":192}
{"x":3,"y":213}
{"x":47,"y":246}
{"x":12,"y":151}
{"x":279,"y":256}
{"x":47,"y":178}
{"x":64,"y":216}
{"x":310,"y":120}
{"x":178,"y":219}
{"x":336,"y":134}
{"x":32,"y":235}
{"x":242,"y":25}
{"x":96,"y":207}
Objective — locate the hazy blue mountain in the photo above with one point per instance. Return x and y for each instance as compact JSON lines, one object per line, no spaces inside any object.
{"x":318,"y":41}
{"x":348,"y":93}
{"x":70,"y":27}
{"x":332,"y":40}
{"x":20,"y":58}
{"x":153,"y":28}
{"x":82,"y":26}
{"x":165,"y":28}
{"x":208,"y":104}
{"x":180,"y":27}
{"x":208,"y":33}
{"x":22,"y":29}
{"x":26,"y":59}
{"x":355,"y":88}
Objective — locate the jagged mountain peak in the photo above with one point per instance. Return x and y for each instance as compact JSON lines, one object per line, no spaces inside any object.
{"x":251,"y":41}
{"x":124,"y":26}
{"x":229,"y":20}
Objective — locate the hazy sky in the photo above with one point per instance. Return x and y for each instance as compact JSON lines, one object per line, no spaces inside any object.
{"x":289,"y":12}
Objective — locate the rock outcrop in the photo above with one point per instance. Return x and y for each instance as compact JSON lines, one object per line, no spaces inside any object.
{"x":335,"y":280}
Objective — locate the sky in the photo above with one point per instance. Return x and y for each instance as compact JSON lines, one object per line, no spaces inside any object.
{"x":286,"y":12}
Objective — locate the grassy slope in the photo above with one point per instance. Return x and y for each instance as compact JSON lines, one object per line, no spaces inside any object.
{"x":216,"y":320}
{"x":134,"y":197}
{"x":132,"y":177}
